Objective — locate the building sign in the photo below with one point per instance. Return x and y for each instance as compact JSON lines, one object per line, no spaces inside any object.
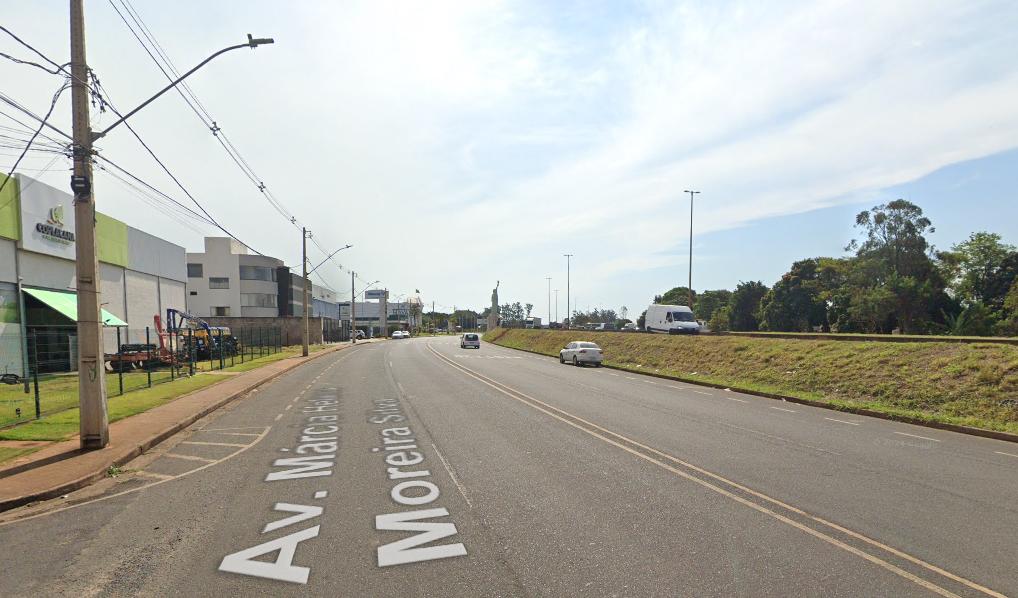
{"x":53,"y":228}
{"x":374,"y":294}
{"x":47,"y":220}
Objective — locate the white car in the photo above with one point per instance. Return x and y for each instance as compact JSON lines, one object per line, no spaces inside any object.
{"x":580,"y":353}
{"x":400,"y":334}
{"x":469,"y":340}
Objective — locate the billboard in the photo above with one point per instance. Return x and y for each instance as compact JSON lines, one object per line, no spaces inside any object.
{"x":374,"y":294}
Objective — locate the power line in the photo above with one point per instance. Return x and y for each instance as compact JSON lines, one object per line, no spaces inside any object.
{"x":189,"y":97}
{"x":52,"y":105}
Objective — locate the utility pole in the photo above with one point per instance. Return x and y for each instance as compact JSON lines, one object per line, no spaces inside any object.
{"x":94,"y":418}
{"x":568,"y":315}
{"x":549,"y":300}
{"x":556,"y":305}
{"x":304,"y":284}
{"x":353,"y":311}
{"x":691,"y":194}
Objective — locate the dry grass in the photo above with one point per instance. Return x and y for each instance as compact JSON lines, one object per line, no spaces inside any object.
{"x":962,"y":383}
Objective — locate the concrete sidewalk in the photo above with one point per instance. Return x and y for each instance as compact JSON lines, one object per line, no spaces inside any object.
{"x":62,"y":467}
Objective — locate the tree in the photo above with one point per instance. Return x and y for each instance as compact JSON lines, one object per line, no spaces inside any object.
{"x":981,"y":269}
{"x":641,"y":322}
{"x":710,"y":302}
{"x":794,"y":303}
{"x":744,"y":305}
{"x":675,"y":296}
{"x":896,"y":256}
{"x":529,"y":308}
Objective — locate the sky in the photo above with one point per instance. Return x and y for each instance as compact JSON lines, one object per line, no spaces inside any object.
{"x":456,"y":144}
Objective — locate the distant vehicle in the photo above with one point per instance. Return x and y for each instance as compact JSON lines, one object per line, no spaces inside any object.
{"x":580,"y":353}
{"x":630,"y":327}
{"x":470,"y":340}
{"x":532,"y":322}
{"x":359,"y":334}
{"x":400,"y":334}
{"x":604,"y":327}
{"x":671,"y":319}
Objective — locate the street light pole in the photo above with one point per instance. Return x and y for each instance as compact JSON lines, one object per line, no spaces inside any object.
{"x":549,"y":300}
{"x":353,"y":311}
{"x":94,"y":417}
{"x":690,"y":287}
{"x":304,"y":286}
{"x":568,"y":316}
{"x":556,"y":305}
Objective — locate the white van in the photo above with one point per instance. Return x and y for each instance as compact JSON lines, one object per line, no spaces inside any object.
{"x":671,"y":319}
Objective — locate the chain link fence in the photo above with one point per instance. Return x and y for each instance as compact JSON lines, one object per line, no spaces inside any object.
{"x":143,"y":359}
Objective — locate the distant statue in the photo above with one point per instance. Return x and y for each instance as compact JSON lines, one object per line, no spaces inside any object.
{"x":493,"y":314}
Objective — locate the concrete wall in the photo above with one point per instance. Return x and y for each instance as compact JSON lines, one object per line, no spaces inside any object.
{"x":47,"y":272}
{"x":7,"y":269}
{"x":152,"y":255}
{"x":290,"y":327}
{"x":225,"y":265}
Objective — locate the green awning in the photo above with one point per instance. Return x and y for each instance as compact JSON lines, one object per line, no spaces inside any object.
{"x":67,"y":305}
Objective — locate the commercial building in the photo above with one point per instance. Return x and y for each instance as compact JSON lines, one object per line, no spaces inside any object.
{"x":401,"y":315}
{"x":228,"y":285}
{"x":140,"y":276}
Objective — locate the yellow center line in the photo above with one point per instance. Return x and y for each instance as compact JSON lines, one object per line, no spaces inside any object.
{"x":548,"y":409}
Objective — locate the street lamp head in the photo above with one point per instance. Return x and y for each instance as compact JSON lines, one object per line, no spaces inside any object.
{"x":254,"y":42}
{"x":688,"y":191}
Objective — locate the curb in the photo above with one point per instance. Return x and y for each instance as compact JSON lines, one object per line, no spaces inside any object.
{"x":94,"y":476}
{"x":971,"y":431}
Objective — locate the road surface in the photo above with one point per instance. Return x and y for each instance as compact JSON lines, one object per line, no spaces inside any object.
{"x":415,"y":468}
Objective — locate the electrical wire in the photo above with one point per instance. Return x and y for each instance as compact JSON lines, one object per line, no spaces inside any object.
{"x":52,"y":105}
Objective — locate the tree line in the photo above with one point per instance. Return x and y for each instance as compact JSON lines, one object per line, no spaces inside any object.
{"x":892,"y":281}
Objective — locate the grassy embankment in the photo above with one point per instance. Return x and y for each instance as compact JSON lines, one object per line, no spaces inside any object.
{"x":64,"y":423}
{"x":968,"y":384}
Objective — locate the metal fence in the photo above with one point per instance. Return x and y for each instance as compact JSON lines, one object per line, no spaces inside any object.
{"x":39,"y":372}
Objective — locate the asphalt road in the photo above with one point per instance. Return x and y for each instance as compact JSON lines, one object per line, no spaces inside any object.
{"x":415,"y":468}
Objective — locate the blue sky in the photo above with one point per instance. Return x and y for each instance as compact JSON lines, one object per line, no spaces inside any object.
{"x":456,"y":143}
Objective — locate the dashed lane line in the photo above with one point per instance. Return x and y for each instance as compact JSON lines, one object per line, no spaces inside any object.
{"x":233,"y":433}
{"x":782,"y":409}
{"x":841,"y":421}
{"x":279,"y":417}
{"x":198,"y":442}
{"x":736,"y":399}
{"x":288,"y":407}
{"x":916,"y":436}
{"x":452,"y":475}
{"x":1008,"y":454}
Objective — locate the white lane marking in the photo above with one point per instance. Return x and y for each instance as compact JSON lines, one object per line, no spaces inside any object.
{"x":146,"y":486}
{"x":841,"y":421}
{"x":321,"y":494}
{"x":631,"y":378}
{"x":781,"y":409}
{"x":279,"y":417}
{"x":914,"y":436}
{"x":459,"y":486}
{"x":792,"y":442}
{"x":188,"y":457}
{"x":234,"y":433}
{"x":401,"y":389}
{"x":213,"y":443}
{"x":390,"y":364}
{"x":736,"y":399}
{"x":288,"y":407}
{"x":650,"y":382}
{"x":152,"y":474}
{"x":1008,"y":454}
{"x":700,"y":392}
{"x":611,"y":374}
{"x":237,"y":428}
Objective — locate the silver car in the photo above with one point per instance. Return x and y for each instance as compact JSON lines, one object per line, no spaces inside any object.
{"x":580,"y":353}
{"x":469,"y":340}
